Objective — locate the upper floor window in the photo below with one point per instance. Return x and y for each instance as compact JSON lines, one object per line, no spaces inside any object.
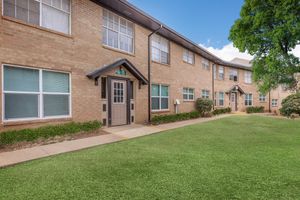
{"x":160,"y":49}
{"x":205,"y":64}
{"x":52,"y":14}
{"x":233,"y":75}
{"x":205,"y":94}
{"x":188,"y":94}
{"x":117,"y":32}
{"x":262,"y":98}
{"x":221,"y":73}
{"x":188,"y":56}
{"x":35,"y":93}
{"x":248,"y":100}
{"x":248,"y":77}
{"x":160,"y":97}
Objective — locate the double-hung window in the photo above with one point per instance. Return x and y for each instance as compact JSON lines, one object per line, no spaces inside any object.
{"x":35,"y":94}
{"x":248,"y":100}
{"x":188,"y":94}
{"x":188,"y":56}
{"x":117,"y":32}
{"x":221,"y":73}
{"x":51,"y":14}
{"x":160,"y":49}
{"x":205,"y":94}
{"x":160,"y":97}
{"x":274,"y":102}
{"x":221,"y":98}
{"x":248,"y":77}
{"x":233,"y":74}
{"x":262,"y":98}
{"x":205,"y":64}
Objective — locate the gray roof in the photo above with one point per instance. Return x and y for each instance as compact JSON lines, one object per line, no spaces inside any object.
{"x":131,"y":12}
{"x":120,"y":62}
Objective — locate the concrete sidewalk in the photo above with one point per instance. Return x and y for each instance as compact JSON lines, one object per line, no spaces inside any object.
{"x":116,"y":134}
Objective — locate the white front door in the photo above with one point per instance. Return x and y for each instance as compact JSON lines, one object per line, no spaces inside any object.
{"x":118,"y":102}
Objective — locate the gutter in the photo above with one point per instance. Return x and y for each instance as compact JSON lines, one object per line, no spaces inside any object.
{"x":149,"y":71}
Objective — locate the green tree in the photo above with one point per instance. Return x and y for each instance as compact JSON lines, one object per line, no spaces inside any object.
{"x":269,"y":30}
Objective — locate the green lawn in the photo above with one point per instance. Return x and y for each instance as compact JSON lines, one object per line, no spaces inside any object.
{"x":245,"y":157}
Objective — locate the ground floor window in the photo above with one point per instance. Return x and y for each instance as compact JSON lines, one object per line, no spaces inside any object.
{"x":248,"y":100}
{"x":262,"y":98}
{"x":188,"y":94}
{"x":274,"y":102}
{"x":221,"y":98}
{"x":160,"y":97}
{"x":205,"y":94}
{"x":35,"y":93}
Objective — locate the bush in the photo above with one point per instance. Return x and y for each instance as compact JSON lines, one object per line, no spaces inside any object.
{"x":26,"y":135}
{"x":221,"y":111}
{"x":255,"y":109}
{"x":161,"y":119}
{"x":204,"y":105}
{"x":291,"y":105}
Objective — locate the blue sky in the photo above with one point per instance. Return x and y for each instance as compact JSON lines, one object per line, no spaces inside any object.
{"x":205,"y":22}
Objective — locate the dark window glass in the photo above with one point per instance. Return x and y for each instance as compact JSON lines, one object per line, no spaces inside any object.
{"x":103,"y":87}
{"x":131,"y":90}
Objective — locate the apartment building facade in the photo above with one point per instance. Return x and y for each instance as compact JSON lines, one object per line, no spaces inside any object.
{"x":81,"y":60}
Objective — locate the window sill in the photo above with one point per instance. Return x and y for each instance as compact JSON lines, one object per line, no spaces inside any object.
{"x":168,"y":65}
{"x":118,"y":50}
{"x":192,"y":64}
{"x":188,"y":101}
{"x":36,"y":27}
{"x":34,"y":121}
{"x":160,"y":111}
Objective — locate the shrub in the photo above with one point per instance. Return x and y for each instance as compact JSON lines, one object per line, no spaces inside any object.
{"x":204,"y":105}
{"x":26,"y":135}
{"x":221,"y":111}
{"x":255,"y":109}
{"x":160,"y":119}
{"x":291,"y":105}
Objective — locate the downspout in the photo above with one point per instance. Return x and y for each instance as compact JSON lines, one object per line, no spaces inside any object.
{"x":270,"y":102}
{"x":149,"y":72}
{"x":214,"y":67}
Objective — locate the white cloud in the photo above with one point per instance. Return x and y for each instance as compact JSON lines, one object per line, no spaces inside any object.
{"x":227,"y":52}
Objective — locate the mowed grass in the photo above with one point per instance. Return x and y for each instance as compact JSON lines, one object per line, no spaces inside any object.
{"x":247,"y":157}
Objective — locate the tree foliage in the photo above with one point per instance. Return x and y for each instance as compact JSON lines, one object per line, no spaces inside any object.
{"x":269,"y":30}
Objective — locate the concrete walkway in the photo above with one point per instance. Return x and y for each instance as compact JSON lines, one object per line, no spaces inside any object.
{"x":115,"y":134}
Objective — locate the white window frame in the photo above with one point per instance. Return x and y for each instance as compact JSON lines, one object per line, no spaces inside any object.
{"x":205,"y":64}
{"x":248,"y":100}
{"x":119,"y":32}
{"x":188,"y":93}
{"x":40,"y":96}
{"x":262,"y":98}
{"x":248,"y":77}
{"x":188,"y":57}
{"x":41,"y":14}
{"x":221,"y":99}
{"x":221,"y":73}
{"x":274,"y":102}
{"x":232,"y":73}
{"x":160,"y":38}
{"x":160,"y":97}
{"x":205,"y":94}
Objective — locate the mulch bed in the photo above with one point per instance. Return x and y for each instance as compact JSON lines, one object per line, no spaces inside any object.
{"x":56,"y":139}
